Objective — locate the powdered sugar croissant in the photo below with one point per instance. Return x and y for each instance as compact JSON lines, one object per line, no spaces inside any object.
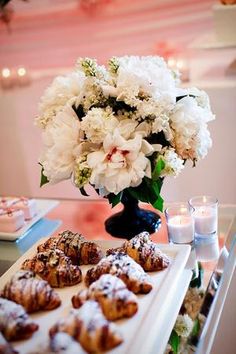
{"x":145,"y":252}
{"x":32,"y":293}
{"x":112,"y":294}
{"x":90,"y":328}
{"x":125,"y":268}
{"x":74,"y":246}
{"x":14,"y":321}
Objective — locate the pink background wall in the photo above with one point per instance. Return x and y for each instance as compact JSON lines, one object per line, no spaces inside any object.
{"x":47,"y":37}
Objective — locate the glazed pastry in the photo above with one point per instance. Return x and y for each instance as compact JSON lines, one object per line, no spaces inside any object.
{"x":90,"y":328}
{"x":146,"y":253}
{"x":74,"y":246}
{"x":61,"y":343}
{"x":54,"y":267}
{"x":125,"y":268}
{"x":113,"y":296}
{"x":32,"y":293}
{"x":14,"y":321}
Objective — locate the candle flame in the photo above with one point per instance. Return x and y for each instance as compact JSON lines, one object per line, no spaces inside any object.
{"x":6,"y":72}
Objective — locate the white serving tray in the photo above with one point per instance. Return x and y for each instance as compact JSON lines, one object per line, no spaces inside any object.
{"x":152,"y":324}
{"x":43,"y":207}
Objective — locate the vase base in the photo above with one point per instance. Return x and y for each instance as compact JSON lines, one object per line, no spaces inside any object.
{"x":124,"y":225}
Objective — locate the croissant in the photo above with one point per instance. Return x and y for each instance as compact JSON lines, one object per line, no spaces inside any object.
{"x":15,"y":323}
{"x":113,"y":296}
{"x":54,"y":267}
{"x":74,"y":246}
{"x":90,"y":328}
{"x":125,"y":268}
{"x":32,"y":293}
{"x":60,"y":343}
{"x":145,"y":252}
{"x":5,"y":347}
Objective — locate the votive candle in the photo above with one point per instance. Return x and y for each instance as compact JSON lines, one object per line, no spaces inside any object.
{"x":205,"y":215}
{"x":180,"y":224}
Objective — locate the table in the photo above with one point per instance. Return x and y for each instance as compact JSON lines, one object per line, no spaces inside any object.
{"x":88,"y":216}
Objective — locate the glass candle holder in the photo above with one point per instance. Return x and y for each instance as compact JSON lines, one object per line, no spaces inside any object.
{"x":205,"y":215}
{"x":180,"y":223}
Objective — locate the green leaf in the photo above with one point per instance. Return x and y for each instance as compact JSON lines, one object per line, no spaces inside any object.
{"x":44,"y":180}
{"x":159,"y":203}
{"x":174,"y":341}
{"x":196,"y":328}
{"x":83,"y":192}
{"x":196,"y":282}
{"x":114,"y":199}
{"x":160,"y":165}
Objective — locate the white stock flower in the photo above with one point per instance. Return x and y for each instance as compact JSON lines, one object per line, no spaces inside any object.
{"x":183,"y":326}
{"x":63,"y":91}
{"x":173,"y":163}
{"x":61,"y":139}
{"x":97,"y":123}
{"x":188,"y":122}
{"x":119,"y":164}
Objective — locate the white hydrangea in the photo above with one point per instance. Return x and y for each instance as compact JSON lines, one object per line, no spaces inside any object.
{"x":191,"y":138}
{"x":63,"y":91}
{"x":61,"y":140}
{"x":183,"y":325}
{"x":119,"y":164}
{"x":97,"y":123}
{"x":173,"y":163}
{"x":149,"y":75}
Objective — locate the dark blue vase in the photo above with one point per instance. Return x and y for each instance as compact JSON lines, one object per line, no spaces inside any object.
{"x":132,"y":220}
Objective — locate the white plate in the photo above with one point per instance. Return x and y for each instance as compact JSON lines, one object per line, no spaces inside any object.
{"x":43,"y":207}
{"x":155,"y":317}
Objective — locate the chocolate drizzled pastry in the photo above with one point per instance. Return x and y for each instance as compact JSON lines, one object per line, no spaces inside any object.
{"x":74,"y":246}
{"x":32,"y":293}
{"x":54,"y":267}
{"x":125,"y":268}
{"x":14,"y":321}
{"x":144,"y":252}
{"x":113,"y":296}
{"x":90,"y":328}
{"x":5,"y":347}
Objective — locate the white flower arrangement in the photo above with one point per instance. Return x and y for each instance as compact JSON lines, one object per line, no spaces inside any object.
{"x":124,"y":127}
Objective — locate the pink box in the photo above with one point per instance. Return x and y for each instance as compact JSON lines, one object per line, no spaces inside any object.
{"x":28,"y":206}
{"x":11,"y":220}
{"x":6,"y":202}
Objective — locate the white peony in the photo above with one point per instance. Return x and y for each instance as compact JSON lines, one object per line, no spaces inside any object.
{"x":63,"y":91}
{"x":119,"y":164}
{"x":97,"y":123}
{"x":61,"y":140}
